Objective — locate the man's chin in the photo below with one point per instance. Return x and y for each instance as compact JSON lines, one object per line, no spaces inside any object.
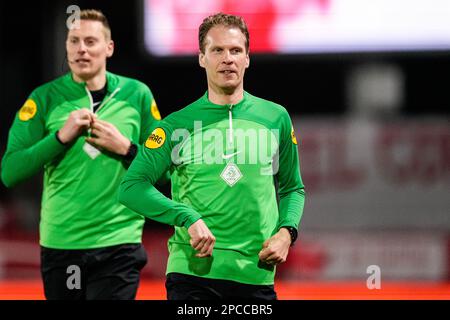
{"x":83,"y":73}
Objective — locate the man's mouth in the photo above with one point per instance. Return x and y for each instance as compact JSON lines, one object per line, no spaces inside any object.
{"x":227,"y":72}
{"x":82,"y":60}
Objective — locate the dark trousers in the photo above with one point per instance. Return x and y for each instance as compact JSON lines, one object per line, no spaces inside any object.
{"x":186,"y":287}
{"x":108,"y":273}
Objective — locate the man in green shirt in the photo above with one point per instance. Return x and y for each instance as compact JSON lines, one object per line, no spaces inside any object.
{"x":231,"y":154}
{"x":84,"y":129}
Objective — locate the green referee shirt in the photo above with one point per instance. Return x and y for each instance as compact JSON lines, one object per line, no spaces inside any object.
{"x":224,"y":161}
{"x":80,"y":208}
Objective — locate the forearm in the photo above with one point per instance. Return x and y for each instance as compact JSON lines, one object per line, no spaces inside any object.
{"x":141,"y":196}
{"x":18,"y":165}
{"x":291,"y":208}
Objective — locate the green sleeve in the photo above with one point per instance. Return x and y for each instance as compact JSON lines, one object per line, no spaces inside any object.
{"x":291,"y":189}
{"x":29,"y":146}
{"x":137,"y":190}
{"x":149,"y":120}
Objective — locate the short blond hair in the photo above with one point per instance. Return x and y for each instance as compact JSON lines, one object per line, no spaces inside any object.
{"x":97,"y":15}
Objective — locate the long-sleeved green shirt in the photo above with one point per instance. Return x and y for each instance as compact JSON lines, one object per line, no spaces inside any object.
{"x":80,"y":209}
{"x":225,"y":161}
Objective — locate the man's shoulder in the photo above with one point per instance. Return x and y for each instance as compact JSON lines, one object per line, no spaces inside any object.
{"x":46,"y":88}
{"x":268,"y":112}
{"x":268,"y":104}
{"x":186,"y":114}
{"x":191,"y":109}
{"x":125,"y":82}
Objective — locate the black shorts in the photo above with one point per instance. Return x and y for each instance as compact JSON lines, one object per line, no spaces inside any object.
{"x":107,"y":273}
{"x":186,"y":287}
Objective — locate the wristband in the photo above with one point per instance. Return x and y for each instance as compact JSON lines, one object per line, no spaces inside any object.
{"x":293,"y":233}
{"x":59,"y":140}
{"x":131,"y":154}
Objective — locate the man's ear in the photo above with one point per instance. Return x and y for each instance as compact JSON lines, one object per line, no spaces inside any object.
{"x":201,"y":58}
{"x":247,"y":60}
{"x":110,"y":49}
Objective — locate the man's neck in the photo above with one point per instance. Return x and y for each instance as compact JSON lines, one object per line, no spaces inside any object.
{"x":223,"y":98}
{"x":95,"y":83}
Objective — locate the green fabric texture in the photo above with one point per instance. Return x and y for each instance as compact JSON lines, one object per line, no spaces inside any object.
{"x":80,"y":208}
{"x":224,"y":161}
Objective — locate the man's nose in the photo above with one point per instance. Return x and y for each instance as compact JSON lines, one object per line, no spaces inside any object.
{"x":81,"y":47}
{"x":227,"y":58}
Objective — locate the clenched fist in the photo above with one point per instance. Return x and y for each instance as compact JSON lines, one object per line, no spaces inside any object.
{"x":78,"y":121}
{"x":202,"y":239}
{"x":106,"y":136}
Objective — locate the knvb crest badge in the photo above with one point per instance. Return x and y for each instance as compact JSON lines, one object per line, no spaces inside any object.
{"x":231,"y":174}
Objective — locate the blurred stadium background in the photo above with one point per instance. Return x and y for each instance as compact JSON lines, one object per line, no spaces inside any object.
{"x":367,"y":85}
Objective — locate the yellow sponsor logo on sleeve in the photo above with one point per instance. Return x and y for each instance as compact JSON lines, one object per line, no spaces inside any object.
{"x":28,"y":110}
{"x":156,"y":139}
{"x":154,"y":110}
{"x":294,"y":139}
